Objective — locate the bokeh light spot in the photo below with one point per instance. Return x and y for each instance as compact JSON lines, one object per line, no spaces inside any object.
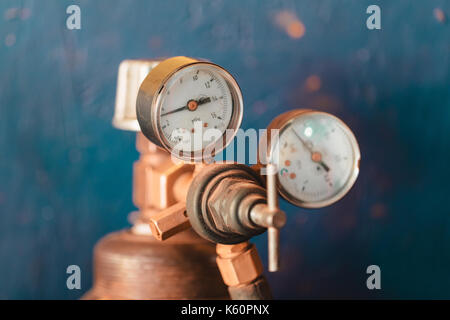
{"x":313,"y":83}
{"x":290,"y":23}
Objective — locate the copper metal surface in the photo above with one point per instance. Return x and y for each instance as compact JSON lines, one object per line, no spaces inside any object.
{"x":241,"y":269}
{"x":155,"y":175}
{"x":130,"y":266}
{"x":168,"y":222}
{"x":238,"y":264}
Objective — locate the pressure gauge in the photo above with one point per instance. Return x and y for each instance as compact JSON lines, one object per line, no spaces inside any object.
{"x":316,"y":155}
{"x":189,"y":107}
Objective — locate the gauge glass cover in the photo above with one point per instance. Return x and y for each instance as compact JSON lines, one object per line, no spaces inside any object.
{"x":195,"y":107}
{"x":318,"y":159}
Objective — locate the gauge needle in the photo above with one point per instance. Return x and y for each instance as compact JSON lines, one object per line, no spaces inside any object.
{"x":203,"y":100}
{"x":327,"y":168}
{"x":191,"y":105}
{"x":315,"y":156}
{"x":174,"y":110}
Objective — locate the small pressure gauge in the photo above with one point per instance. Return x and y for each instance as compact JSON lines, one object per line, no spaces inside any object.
{"x":316,"y":156}
{"x":189,"y":107}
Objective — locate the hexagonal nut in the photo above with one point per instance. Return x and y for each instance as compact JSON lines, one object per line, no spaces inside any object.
{"x":217,"y":201}
{"x":227,"y":251}
{"x":242,"y":268}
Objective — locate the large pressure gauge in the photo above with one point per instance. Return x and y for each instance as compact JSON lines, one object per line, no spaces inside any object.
{"x":316,"y":155}
{"x":186,"y":106}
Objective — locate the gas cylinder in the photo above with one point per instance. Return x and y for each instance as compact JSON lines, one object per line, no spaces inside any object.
{"x":131,"y":263}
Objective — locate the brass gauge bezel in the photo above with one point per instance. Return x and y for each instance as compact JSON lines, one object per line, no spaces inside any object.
{"x":152,"y":90}
{"x":283,"y":122}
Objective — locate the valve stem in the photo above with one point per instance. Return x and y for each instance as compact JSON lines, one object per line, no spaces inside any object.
{"x":273,"y":236}
{"x":273,"y":233}
{"x":271,"y":217}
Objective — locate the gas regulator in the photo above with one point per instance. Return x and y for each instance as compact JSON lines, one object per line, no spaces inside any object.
{"x":312,"y":162}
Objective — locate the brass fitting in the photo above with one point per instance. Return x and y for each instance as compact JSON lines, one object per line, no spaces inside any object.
{"x":263,"y":216}
{"x":219,"y":202}
{"x":239,"y":264}
{"x":155,"y":176}
{"x":228,"y":204}
{"x":169,"y":222}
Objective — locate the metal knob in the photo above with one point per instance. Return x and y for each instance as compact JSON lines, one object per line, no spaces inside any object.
{"x":130,"y":76}
{"x":228,"y":204}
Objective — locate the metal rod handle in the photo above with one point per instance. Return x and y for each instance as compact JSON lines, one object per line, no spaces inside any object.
{"x":273,"y":233}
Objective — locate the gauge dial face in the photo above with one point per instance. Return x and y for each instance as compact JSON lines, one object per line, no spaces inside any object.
{"x":197,"y":105}
{"x":318,"y":159}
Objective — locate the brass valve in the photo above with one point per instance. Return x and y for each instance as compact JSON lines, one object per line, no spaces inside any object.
{"x":242,"y":271}
{"x":229,"y":204}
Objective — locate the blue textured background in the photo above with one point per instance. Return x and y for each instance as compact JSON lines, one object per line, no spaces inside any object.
{"x":65,"y":173}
